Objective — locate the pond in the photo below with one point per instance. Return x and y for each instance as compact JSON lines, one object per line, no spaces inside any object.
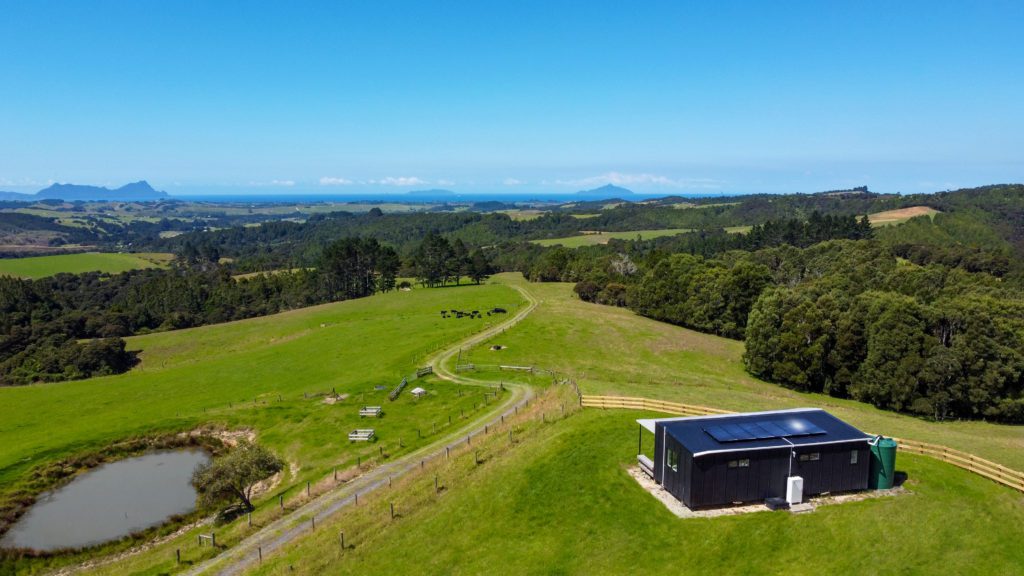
{"x":109,"y":502}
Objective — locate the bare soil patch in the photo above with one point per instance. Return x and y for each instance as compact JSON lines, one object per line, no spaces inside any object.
{"x":901,"y":214}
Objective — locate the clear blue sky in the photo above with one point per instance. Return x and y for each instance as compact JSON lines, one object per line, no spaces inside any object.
{"x":345,"y":97}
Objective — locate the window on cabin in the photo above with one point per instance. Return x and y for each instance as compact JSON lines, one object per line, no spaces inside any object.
{"x":673,"y":460}
{"x":741,"y":463}
{"x":810,"y":456}
{"x":853,"y":456}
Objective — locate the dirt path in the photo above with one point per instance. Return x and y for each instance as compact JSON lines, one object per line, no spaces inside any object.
{"x":286,"y":529}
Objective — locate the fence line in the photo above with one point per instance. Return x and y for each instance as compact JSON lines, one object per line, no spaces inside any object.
{"x":975,"y":464}
{"x":980,"y":466}
{"x":632,"y":403}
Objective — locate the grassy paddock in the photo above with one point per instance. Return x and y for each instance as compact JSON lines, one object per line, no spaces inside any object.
{"x":562,"y":502}
{"x":261,"y":374}
{"x":42,"y":266}
{"x":613,"y":351}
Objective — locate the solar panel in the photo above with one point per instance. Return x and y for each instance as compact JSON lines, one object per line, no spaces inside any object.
{"x":718,"y":433}
{"x":755,"y":430}
{"x":799,"y":427}
{"x":763,"y":430}
{"x":774,"y":428}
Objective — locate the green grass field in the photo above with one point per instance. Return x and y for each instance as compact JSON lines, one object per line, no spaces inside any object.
{"x":42,"y":266}
{"x":559,"y":500}
{"x":254,"y":374}
{"x":562,"y":502}
{"x":614,"y":351}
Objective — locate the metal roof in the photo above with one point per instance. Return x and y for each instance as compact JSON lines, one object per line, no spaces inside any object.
{"x":756,"y":430}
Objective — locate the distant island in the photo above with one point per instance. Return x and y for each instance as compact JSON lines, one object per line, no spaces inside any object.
{"x":140,"y":190}
{"x":607,"y":191}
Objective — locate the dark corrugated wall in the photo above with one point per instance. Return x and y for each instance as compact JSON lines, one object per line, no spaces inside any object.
{"x":709,"y":481}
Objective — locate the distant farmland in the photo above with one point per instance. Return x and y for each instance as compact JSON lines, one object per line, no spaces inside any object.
{"x":43,"y":266}
{"x":602,"y":237}
{"x":890,"y":217}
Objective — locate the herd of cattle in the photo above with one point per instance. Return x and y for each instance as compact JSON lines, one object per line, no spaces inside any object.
{"x":453,"y":313}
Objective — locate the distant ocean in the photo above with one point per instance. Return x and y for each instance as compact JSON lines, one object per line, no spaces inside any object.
{"x":299,"y":197}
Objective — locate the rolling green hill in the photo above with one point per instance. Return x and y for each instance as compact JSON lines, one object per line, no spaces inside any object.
{"x":614,"y":351}
{"x":559,"y":498}
{"x":256,"y":374}
{"x":562,"y":502}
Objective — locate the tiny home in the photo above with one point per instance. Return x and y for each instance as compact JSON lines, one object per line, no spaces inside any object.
{"x":731,"y":458}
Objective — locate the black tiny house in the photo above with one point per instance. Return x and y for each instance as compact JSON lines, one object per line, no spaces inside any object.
{"x":718,"y":460}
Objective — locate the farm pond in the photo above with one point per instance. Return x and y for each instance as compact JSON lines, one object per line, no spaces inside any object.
{"x":109,"y":502}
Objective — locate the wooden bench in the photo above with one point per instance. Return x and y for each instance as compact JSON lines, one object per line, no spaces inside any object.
{"x":361,"y":435}
{"x":371,"y":411}
{"x":645,"y":464}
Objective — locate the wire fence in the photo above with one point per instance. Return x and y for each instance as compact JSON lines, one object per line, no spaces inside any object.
{"x":975,"y":464}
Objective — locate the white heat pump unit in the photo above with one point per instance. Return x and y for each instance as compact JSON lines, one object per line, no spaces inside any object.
{"x":794,"y":490}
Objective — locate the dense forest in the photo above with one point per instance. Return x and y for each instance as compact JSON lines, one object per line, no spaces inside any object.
{"x":925,"y":317}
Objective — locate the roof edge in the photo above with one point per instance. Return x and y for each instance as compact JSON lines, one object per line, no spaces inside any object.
{"x":649,"y":423}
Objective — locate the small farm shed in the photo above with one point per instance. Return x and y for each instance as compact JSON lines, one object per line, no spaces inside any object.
{"x":723,"y":459}
{"x":418,"y":392}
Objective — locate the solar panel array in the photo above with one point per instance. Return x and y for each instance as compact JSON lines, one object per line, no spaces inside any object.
{"x":763,"y":430}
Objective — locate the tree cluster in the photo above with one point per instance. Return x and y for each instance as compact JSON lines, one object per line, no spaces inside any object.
{"x":437,"y":262}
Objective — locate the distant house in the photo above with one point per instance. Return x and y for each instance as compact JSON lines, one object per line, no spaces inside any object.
{"x":718,"y":460}
{"x":418,"y":392}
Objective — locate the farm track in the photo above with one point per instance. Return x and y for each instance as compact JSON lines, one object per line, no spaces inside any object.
{"x":298,"y":522}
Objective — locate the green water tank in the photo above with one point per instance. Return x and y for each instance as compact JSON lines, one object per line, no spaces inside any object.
{"x":883,"y":464}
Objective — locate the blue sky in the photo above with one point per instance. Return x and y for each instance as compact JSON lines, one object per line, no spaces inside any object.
{"x":673,"y":97}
